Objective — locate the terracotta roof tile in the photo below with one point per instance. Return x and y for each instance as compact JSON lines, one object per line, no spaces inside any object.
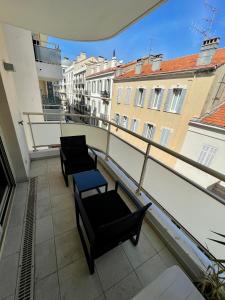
{"x":216,"y":118}
{"x":178,"y":64}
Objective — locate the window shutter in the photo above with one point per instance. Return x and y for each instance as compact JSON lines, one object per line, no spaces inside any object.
{"x":145,"y":130}
{"x":183,"y":93}
{"x":150,"y":101}
{"x":160,"y":99}
{"x":168,"y":100}
{"x":137,"y":124}
{"x":153,"y":132}
{"x":136,"y":97}
{"x":127,"y":123}
{"x":127,"y":97}
{"x":132,"y":125}
{"x":143,"y":99}
{"x":164,"y":136}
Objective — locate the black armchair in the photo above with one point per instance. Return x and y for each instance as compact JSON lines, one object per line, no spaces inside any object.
{"x":74,"y":156}
{"x":107,"y":222}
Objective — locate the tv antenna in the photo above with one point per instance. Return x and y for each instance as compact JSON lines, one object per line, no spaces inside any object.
{"x":206,"y":30}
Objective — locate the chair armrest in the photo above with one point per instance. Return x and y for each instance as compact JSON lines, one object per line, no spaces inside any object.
{"x":62,"y":154}
{"x":95,"y":155}
{"x":87,"y":225}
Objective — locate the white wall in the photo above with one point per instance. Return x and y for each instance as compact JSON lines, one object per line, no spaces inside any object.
{"x":195,"y":139}
{"x":21,"y":55}
{"x":49,"y":72}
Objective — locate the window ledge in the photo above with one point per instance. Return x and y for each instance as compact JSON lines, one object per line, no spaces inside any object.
{"x":171,"y":112}
{"x":157,"y":109}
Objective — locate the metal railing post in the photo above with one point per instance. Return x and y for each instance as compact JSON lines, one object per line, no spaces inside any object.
{"x":60,"y":123}
{"x":138,"y":191}
{"x":108,"y":140}
{"x":31,"y":131}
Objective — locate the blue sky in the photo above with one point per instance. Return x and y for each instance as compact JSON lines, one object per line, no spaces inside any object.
{"x":168,"y":30}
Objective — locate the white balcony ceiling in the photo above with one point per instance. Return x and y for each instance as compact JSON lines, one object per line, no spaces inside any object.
{"x":84,"y":20}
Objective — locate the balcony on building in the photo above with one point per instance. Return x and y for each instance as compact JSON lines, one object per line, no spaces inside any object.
{"x":48,"y":60}
{"x":41,"y":252}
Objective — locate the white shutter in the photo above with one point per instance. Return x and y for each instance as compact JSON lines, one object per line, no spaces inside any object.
{"x":164,"y":136}
{"x":160,"y":99}
{"x":136,"y":97}
{"x":153,"y":132}
{"x":145,"y":130}
{"x":132,"y":125}
{"x":168,"y":100}
{"x":127,"y":97}
{"x":150,"y":101}
{"x":181,"y":100}
{"x":143,"y":97}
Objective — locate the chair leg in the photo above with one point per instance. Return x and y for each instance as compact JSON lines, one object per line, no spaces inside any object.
{"x":135,"y":240}
{"x":65,"y":176}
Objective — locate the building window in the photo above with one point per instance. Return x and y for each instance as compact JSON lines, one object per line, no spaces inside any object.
{"x":149,"y":130}
{"x":164,"y":136}
{"x":93,"y":86}
{"x":156,"y":98}
{"x":117,"y":118}
{"x":124,"y":121}
{"x":207,"y":155}
{"x":175,"y":99}
{"x":128,"y":95}
{"x":134,"y":125}
{"x":100,"y":86}
{"x":140,"y":97}
{"x":119,"y":95}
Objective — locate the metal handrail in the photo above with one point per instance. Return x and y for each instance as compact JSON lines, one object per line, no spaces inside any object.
{"x":185,"y":159}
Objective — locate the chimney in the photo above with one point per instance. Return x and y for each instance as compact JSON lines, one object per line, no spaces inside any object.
{"x":156,"y":61}
{"x":207,"y":51}
{"x":138,"y":66}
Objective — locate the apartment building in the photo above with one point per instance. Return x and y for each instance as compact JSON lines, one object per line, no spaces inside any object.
{"x":48,"y":64}
{"x":60,"y":86}
{"x":157,"y":99}
{"x":75,"y":77}
{"x":99,"y":81}
{"x":205,"y":143}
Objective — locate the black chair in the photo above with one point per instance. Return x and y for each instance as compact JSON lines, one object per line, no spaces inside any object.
{"x":74,"y":156}
{"x":107,"y":222}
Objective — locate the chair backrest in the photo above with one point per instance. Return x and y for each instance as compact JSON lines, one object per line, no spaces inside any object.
{"x":73,"y":142}
{"x":128,"y":225}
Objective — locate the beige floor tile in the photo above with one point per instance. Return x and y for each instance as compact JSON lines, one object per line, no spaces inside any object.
{"x":150,"y":270}
{"x":68,"y":248}
{"x":76,"y":282}
{"x":13,"y":240}
{"x":8,"y":275}
{"x":137,"y":255}
{"x":47,"y":288}
{"x":112,"y":267}
{"x":62,"y":201}
{"x":154,"y":238}
{"x":125,"y":289}
{"x":44,"y":229}
{"x":45,"y":259}
{"x":64,"y":220}
{"x":168,"y":258}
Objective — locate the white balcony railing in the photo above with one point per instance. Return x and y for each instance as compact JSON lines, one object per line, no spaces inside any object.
{"x":195,"y":210}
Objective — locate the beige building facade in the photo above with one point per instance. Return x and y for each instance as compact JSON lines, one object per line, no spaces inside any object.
{"x":157,"y":100}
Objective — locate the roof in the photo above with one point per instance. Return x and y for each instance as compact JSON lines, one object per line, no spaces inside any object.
{"x":216,"y":118}
{"x":108,"y":70}
{"x":184,"y":63}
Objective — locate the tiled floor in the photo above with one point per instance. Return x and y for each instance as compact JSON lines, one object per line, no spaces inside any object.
{"x":61,"y":270}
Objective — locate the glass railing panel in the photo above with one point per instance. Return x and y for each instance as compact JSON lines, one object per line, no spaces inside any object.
{"x":128,"y":157}
{"x":197,"y":211}
{"x":46,"y":133}
{"x":47,"y":55}
{"x":95,"y":137}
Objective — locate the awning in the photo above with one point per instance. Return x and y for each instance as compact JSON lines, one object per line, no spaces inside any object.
{"x":84,"y":20}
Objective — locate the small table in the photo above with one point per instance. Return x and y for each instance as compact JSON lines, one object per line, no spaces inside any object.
{"x":89,"y":180}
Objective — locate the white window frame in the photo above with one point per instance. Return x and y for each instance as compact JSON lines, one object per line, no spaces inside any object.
{"x":117,"y":118}
{"x":140,"y":101}
{"x":174,"y":104}
{"x":123,"y":120}
{"x":149,"y":134}
{"x":134,"y":125}
{"x":155,"y":101}
{"x":162,"y":138}
{"x":128,"y":95}
{"x":119,"y":94}
{"x":207,"y":155}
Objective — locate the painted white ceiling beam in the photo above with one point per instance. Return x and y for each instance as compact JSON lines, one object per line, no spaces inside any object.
{"x":84,"y":20}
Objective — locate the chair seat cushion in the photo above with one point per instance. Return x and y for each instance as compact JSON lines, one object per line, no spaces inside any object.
{"x":104,"y":208}
{"x":79,"y":163}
